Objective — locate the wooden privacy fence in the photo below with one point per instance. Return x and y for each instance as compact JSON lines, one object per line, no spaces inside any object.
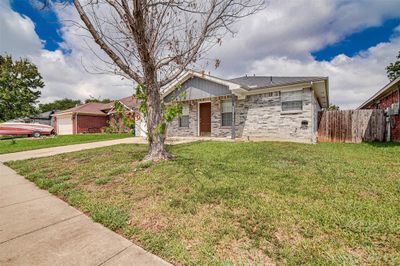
{"x":351,"y":126}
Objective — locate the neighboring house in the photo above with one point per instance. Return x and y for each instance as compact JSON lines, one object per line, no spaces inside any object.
{"x":130,"y":105}
{"x":388,"y":98}
{"x":249,"y":107}
{"x":95,"y":117}
{"x":44,"y":118}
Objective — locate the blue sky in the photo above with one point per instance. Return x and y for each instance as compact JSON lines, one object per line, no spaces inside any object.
{"x":47,"y":25}
{"x":359,"y":41}
{"x":48,"y":29}
{"x":351,"y":42}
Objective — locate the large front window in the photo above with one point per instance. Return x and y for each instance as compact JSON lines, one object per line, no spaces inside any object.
{"x":184,"y":118}
{"x":292,"y":101}
{"x":226,"y":109}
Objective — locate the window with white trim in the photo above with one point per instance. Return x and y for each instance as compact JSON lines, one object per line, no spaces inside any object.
{"x":184,"y":118}
{"x":292,"y":101}
{"x":226,"y":113}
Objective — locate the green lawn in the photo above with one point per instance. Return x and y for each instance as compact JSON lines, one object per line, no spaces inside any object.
{"x":7,"y":146}
{"x":223,"y":203}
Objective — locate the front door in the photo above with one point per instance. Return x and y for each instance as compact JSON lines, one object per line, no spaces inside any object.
{"x":205,"y":119}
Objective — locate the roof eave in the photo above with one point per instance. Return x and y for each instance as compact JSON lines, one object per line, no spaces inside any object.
{"x":190,"y":74}
{"x":379,"y":93}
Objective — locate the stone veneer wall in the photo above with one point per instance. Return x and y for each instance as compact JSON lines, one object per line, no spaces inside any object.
{"x":257,"y":116}
{"x":173,"y":129}
{"x":262,"y":118}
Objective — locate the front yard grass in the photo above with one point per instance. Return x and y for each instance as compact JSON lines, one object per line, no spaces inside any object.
{"x":222,"y":203}
{"x":9,"y":145}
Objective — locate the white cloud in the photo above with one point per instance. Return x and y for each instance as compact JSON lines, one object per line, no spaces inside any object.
{"x":296,"y":28}
{"x":277,"y":41}
{"x":352,"y":79}
{"x":17,"y":33}
{"x":64,"y":74}
{"x":280,"y":39}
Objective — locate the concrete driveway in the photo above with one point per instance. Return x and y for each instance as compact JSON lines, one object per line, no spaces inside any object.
{"x":69,"y":148}
{"x":85,"y":146}
{"x":37,"y":228}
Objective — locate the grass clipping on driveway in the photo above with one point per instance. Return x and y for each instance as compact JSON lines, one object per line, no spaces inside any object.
{"x":239,"y":203}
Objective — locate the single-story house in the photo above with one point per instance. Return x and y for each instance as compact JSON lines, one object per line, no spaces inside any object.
{"x":388,"y":99}
{"x":95,"y":117}
{"x":248,"y":107}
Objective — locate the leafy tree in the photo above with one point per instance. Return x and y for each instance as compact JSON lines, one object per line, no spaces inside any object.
{"x":393,"y":69}
{"x":333,"y":107}
{"x":97,"y":100}
{"x":20,"y":84}
{"x":62,"y":104}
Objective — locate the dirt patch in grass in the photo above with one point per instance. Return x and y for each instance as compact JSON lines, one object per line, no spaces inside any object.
{"x":293,"y":237}
{"x":145,"y":214}
{"x":240,"y":251}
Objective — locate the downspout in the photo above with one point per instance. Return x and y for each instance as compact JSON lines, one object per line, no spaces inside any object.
{"x":398,"y":100}
{"x":233,"y":133}
{"x":76,"y":123}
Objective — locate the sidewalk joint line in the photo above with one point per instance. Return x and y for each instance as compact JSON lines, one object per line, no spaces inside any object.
{"x":1,"y":207}
{"x":116,"y":254}
{"x":36,"y":230}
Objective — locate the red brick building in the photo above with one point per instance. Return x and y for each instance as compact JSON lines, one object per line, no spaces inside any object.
{"x":92,"y":117}
{"x":388,"y":98}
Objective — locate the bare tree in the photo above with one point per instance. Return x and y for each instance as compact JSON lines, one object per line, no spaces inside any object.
{"x":153,"y":41}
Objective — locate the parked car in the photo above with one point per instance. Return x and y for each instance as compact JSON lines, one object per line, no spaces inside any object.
{"x":30,"y":129}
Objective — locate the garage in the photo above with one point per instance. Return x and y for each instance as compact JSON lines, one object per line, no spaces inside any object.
{"x":64,"y":125}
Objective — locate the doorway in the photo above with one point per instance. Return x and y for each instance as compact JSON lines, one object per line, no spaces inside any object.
{"x":205,"y":119}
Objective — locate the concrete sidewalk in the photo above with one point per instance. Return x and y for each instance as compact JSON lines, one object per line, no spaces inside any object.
{"x":37,"y":228}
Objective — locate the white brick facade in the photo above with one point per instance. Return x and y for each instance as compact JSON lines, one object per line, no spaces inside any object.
{"x":257,"y":116}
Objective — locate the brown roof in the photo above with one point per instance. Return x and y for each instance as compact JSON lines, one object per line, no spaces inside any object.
{"x":99,"y":108}
{"x":88,"y":108}
{"x":130,"y":101}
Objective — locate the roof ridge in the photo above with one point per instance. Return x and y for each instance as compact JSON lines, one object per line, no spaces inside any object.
{"x":279,"y":77}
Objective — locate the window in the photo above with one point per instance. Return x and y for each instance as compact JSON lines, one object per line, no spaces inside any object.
{"x":292,"y":101}
{"x":184,"y":119}
{"x":273,"y":94}
{"x":226,"y":110}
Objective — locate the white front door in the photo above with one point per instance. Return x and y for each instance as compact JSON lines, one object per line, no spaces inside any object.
{"x":64,"y":125}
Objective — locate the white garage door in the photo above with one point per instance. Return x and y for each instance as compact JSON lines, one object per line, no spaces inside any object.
{"x":64,"y":125}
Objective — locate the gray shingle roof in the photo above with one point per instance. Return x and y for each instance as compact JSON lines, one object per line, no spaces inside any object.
{"x":257,"y":82}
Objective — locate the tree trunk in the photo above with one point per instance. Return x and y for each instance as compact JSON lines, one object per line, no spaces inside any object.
{"x":156,"y":137}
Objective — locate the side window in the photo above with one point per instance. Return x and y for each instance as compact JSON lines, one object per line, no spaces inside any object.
{"x":292,"y":101}
{"x":226,"y":110}
{"x":184,"y":118}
